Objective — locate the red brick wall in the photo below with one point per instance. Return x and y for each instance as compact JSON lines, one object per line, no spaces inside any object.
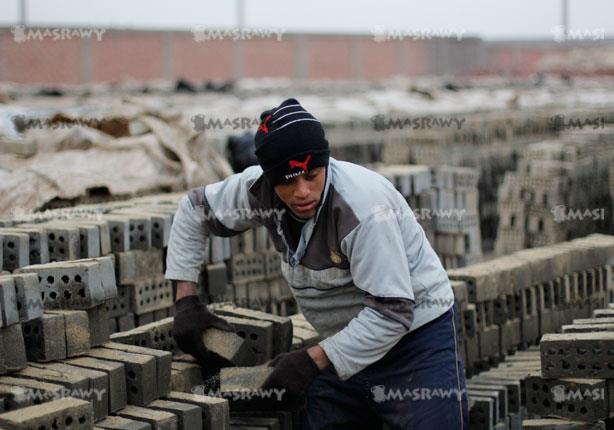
{"x":145,"y":55}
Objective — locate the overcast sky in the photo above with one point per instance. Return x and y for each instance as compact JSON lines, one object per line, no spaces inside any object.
{"x":485,"y":18}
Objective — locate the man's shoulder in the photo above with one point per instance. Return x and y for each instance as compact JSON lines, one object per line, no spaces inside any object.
{"x":364,"y":191}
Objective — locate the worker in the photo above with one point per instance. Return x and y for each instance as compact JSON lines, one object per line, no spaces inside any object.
{"x":360,"y":268}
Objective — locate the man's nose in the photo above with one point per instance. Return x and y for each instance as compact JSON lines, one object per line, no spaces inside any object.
{"x":301,"y":190}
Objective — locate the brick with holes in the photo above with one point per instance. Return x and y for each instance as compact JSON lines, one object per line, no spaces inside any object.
{"x":578,"y":355}
{"x":120,"y":423}
{"x":37,"y":243}
{"x":282,"y":326}
{"x":97,"y":390}
{"x":116,"y":374}
{"x":45,"y":338}
{"x":15,"y":250}
{"x":215,"y":411}
{"x":163,"y":363}
{"x":70,"y":285}
{"x":62,"y":413}
{"x":8,"y":301}
{"x":77,"y":331}
{"x":141,"y":377}
{"x":575,"y":399}
{"x":29,"y":302}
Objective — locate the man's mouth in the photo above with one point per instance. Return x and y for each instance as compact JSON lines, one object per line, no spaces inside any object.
{"x":305,"y":207}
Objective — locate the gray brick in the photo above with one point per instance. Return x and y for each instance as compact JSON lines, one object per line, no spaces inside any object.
{"x":229,"y":346}
{"x":36,"y":390}
{"x":159,"y":420}
{"x":8,"y":301}
{"x":258,"y":334}
{"x":45,"y":338}
{"x":116,"y":375}
{"x":141,"y":376}
{"x":63,"y":241}
{"x":586,"y":328}
{"x":189,"y":416}
{"x":51,"y":415}
{"x":29,"y":301}
{"x":216,"y":279}
{"x":150,"y":294}
{"x":12,"y":398}
{"x":215,"y":411}
{"x":121,"y":423}
{"x":97,"y":390}
{"x":155,"y":335}
{"x":99,"y":328}
{"x":37,"y":243}
{"x":119,"y":228}
{"x":236,"y":379}
{"x":15,"y":250}
{"x":482,"y":412}
{"x":163,"y":363}
{"x":14,"y":352}
{"x":69,"y":285}
{"x":577,"y":355}
{"x":583,"y":400}
{"x":126,"y":322}
{"x":120,"y":305}
{"x":77,"y":331}
{"x":185,"y":376}
{"x":282,"y":326}
{"x":559,"y":424}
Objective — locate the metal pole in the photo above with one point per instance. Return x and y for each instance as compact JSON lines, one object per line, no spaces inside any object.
{"x":565,"y":18}
{"x":22,"y":12}
{"x":238,"y":46}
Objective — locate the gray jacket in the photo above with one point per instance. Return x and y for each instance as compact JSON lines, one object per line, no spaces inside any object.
{"x":363,"y":273}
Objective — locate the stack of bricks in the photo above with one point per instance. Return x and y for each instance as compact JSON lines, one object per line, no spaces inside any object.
{"x":445,"y":202}
{"x":575,"y":382}
{"x":560,"y":191}
{"x":512,"y":301}
{"x":507,"y":304}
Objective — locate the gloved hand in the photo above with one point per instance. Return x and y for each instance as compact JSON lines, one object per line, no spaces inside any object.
{"x":191,"y":319}
{"x":294,"y":371}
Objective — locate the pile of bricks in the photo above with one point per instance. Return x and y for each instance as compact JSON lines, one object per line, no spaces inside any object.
{"x":560,"y":191}
{"x":445,"y":202}
{"x":506,"y":305}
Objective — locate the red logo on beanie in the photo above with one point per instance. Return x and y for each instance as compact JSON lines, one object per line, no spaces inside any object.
{"x":303,"y":164}
{"x":263,"y":126}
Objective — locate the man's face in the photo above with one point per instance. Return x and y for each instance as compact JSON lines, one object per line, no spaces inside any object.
{"x":302,"y":193}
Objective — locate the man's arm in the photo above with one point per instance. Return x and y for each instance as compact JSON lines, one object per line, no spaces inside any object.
{"x":379,"y":266}
{"x":221,"y":209}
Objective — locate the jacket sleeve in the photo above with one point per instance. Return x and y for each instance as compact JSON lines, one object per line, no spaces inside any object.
{"x":221,"y":209}
{"x":379,"y":266}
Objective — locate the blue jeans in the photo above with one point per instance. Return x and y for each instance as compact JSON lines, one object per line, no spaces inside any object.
{"x":419,"y":384}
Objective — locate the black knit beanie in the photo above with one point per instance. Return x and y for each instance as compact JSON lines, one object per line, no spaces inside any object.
{"x":289,"y":142}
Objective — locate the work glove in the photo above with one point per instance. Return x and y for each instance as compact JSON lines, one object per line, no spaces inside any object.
{"x":191,"y":319}
{"x":293,"y":372}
